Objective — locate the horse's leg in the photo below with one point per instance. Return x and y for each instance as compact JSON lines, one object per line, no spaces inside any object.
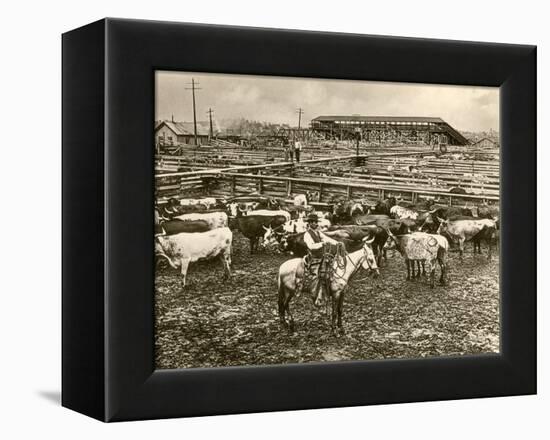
{"x":288,"y":297}
{"x":432,"y":275}
{"x":281,"y":302}
{"x":408,"y":263}
{"x":424,"y":268}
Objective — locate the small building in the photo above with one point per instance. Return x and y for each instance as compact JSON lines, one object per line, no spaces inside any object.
{"x":485,"y":143}
{"x":170,"y":133}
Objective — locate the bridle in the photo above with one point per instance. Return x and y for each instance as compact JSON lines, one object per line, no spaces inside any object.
{"x":355,"y":266}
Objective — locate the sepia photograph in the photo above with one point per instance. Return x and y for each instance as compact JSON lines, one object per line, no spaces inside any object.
{"x":307,"y":220}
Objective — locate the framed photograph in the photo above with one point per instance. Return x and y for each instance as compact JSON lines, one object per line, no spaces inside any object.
{"x":263,"y":219}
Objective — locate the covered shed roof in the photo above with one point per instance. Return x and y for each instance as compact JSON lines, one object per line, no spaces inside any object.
{"x":359,"y":118}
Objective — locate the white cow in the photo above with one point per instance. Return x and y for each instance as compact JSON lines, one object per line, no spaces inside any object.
{"x":215,"y":220}
{"x":401,"y":213}
{"x":184,"y":248}
{"x":300,"y":225}
{"x":206,"y":201}
{"x":242,"y":208}
{"x":300,"y":200}
{"x":324,"y":214}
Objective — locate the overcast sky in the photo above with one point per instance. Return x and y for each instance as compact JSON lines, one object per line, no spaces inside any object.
{"x":276,"y":99}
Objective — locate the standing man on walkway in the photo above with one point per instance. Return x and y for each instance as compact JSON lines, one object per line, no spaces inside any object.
{"x":297,"y":149}
{"x":291,"y":150}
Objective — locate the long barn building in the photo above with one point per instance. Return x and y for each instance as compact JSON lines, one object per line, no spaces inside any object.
{"x":388,"y":129}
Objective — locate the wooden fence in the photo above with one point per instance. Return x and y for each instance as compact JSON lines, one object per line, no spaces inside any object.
{"x":369,"y":181}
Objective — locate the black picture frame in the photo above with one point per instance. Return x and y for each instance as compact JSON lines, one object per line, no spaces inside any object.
{"x":108,"y":297}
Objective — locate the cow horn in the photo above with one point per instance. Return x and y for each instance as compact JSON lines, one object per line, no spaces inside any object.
{"x":441,"y":220}
{"x":367,"y":241}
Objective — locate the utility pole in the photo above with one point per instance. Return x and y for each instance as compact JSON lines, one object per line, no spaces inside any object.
{"x":209,"y":112}
{"x":193,"y":88}
{"x":300,"y":112}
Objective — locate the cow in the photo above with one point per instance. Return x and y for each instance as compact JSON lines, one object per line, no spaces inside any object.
{"x":270,"y":213}
{"x":215,"y":219}
{"x":208,"y":202}
{"x":451,"y":211}
{"x":236,"y":209}
{"x":383,"y":206}
{"x":294,"y":243}
{"x":429,"y":221}
{"x":425,"y":248}
{"x":458,"y":190}
{"x":254,"y":227}
{"x":300,"y":200}
{"x":171,"y":227}
{"x":488,"y":211}
{"x":397,"y":226}
{"x":400,"y":212}
{"x":356,"y":233}
{"x":274,"y":236}
{"x":465,"y":229}
{"x":368,"y":218}
{"x":324,"y":214}
{"x":341,"y":211}
{"x":168,"y":210}
{"x":298,"y":211}
{"x":184,"y":248}
{"x":358,"y":208}
{"x":242,"y":204}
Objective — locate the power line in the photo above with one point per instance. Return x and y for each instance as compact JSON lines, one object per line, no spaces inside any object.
{"x":193,"y":88}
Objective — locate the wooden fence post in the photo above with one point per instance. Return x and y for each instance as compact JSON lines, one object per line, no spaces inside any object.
{"x":261,"y":185}
{"x":233,"y":185}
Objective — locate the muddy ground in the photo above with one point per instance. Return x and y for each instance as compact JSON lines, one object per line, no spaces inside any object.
{"x":216,"y":323}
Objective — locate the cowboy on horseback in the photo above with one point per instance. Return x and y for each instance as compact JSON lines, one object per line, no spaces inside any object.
{"x":318,"y":261}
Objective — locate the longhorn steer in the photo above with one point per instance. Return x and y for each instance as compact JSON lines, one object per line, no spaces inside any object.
{"x":184,"y":248}
{"x":270,"y":213}
{"x":255,"y":226}
{"x":402,"y":212}
{"x":214,"y":219}
{"x":357,"y":233}
{"x":462,"y":230}
{"x":425,"y":248}
{"x":209,"y":202}
{"x":384,"y":206}
{"x":171,"y":227}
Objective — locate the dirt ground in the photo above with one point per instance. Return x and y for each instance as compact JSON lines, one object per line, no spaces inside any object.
{"x":213,"y":323}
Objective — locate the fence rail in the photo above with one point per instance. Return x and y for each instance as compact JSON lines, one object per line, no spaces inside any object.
{"x":370,"y":180}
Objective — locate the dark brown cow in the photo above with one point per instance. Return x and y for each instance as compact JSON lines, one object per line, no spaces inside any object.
{"x":254,"y":226}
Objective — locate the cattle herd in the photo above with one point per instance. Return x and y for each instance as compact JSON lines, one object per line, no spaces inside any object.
{"x":188,"y":230}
